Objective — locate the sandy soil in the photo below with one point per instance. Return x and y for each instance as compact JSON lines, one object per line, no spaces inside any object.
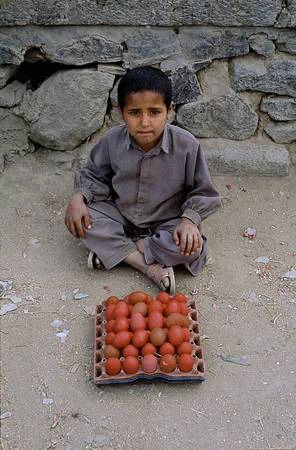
{"x":246,"y":309}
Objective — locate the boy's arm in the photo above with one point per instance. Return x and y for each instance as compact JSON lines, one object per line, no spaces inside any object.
{"x":93,"y":181}
{"x":202,"y":199}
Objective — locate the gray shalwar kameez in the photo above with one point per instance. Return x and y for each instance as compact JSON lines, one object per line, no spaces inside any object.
{"x":131,"y":194}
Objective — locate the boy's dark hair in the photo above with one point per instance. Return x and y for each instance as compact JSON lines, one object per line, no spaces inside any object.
{"x":145,"y":79}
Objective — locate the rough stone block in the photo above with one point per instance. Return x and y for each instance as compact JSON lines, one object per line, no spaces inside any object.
{"x":287,"y":16}
{"x":67,"y":108}
{"x":243,"y":158}
{"x":202,"y":44}
{"x":279,"y":108}
{"x":286,"y":42}
{"x":12,"y":94}
{"x":6,"y":72}
{"x":261,"y":44}
{"x":184,"y":82}
{"x":228,"y":117}
{"x":146,"y":47}
{"x":282,"y":133}
{"x":13,"y":135}
{"x":255,"y":73}
{"x":155,"y":12}
{"x":66,"y":45}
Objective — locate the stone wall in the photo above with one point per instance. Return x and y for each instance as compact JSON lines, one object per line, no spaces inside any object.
{"x":232,"y":65}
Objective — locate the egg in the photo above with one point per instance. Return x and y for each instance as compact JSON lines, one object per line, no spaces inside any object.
{"x":130,"y":365}
{"x":163,"y":297}
{"x":187,"y":334}
{"x":148,"y":349}
{"x":167,"y":363}
{"x":157,"y":336}
{"x":167,"y":349}
{"x":138,"y":322}
{"x":155,"y":305}
{"x":113,"y":366}
{"x":176,"y":319}
{"x":121,"y":339}
{"x":155,"y":320}
{"x":185,"y":362}
{"x":120,"y":310}
{"x":172,"y":307}
{"x":140,"y":338}
{"x":140,"y":307}
{"x":111,"y":352}
{"x":109,"y":337}
{"x":136,"y":297}
{"x":121,"y":324}
{"x":180,"y":298}
{"x":149,"y":363}
{"x":175,"y":335}
{"x":109,"y":312}
{"x":111,"y":300}
{"x":185,"y":347}
{"x":110,"y":325}
{"x":130,"y":350}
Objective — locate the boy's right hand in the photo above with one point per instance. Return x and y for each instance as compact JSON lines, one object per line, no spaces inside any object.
{"x":77,"y":217}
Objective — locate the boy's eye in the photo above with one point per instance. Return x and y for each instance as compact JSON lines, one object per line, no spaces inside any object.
{"x":155,"y":112}
{"x":134,"y":113}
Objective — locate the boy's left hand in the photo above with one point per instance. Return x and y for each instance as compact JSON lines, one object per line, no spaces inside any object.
{"x":188,"y":237}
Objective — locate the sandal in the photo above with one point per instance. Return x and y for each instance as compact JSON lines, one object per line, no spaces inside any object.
{"x":93,"y":261}
{"x":171,"y":289}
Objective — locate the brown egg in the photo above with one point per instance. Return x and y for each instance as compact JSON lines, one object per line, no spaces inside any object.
{"x":167,"y":363}
{"x":149,"y":363}
{"x":121,"y":339}
{"x":157,"y":336}
{"x":155,"y":305}
{"x":136,"y":297}
{"x":148,"y":349}
{"x":177,"y":319}
{"x":111,"y":300}
{"x":141,"y":308}
{"x":185,"y":362}
{"x":180,"y":298}
{"x":187,"y":334}
{"x":138,"y":322}
{"x":111,"y":352}
{"x":163,"y":297}
{"x":120,"y":310}
{"x":140,"y":338}
{"x":130,"y":350}
{"x":110,"y":325}
{"x":130,"y":365}
{"x":121,"y":324}
{"x":113,"y":366}
{"x":172,"y":307}
{"x":185,"y":347}
{"x":175,"y":335}
{"x":167,"y":349}
{"x":155,"y":320}
{"x":184,"y":309}
{"x":109,"y":337}
{"x":109,"y":312}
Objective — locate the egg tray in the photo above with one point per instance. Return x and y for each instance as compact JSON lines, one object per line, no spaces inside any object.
{"x":196,"y":375}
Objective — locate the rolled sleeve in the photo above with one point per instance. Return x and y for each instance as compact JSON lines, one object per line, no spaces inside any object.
{"x":192,"y":215}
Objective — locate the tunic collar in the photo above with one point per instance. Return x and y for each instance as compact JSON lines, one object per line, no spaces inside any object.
{"x":163,"y":143}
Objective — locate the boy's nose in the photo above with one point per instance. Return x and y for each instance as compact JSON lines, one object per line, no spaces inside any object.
{"x":144,"y":120}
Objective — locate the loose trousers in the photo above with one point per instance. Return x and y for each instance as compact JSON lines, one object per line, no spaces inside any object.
{"x":112,"y":238}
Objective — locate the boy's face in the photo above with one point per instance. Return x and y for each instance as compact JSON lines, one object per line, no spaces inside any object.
{"x":145,"y":115}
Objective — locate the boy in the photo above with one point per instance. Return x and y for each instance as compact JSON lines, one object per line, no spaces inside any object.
{"x":145,"y":188}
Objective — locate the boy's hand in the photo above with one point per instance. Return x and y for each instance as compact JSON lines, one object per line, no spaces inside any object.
{"x":188,"y":237}
{"x":77,"y":217}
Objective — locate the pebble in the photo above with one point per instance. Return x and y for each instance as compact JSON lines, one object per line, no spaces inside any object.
{"x":56,"y":323}
{"x":194,"y":291}
{"x":7,"y":308}
{"x":47,"y":401}
{"x":290,"y":275}
{"x":250,"y":232}
{"x":80,"y":296}
{"x":262,"y":260}
{"x":5,"y":415}
{"x":62,"y":335}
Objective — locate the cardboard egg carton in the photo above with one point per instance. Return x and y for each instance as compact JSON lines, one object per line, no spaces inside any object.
{"x":196,"y":375}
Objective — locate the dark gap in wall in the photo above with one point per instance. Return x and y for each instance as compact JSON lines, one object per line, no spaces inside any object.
{"x":37,"y":67}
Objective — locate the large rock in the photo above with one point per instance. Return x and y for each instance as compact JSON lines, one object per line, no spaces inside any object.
{"x":13,"y":135}
{"x":141,"y":12}
{"x":184,"y":82}
{"x":256,"y":73}
{"x":246,"y":157}
{"x":279,"y":108}
{"x":204,"y":43}
{"x":287,"y":17}
{"x":286,"y":42}
{"x":147,"y":47}
{"x":282,"y":133}
{"x":226,"y":117}
{"x":12,"y":94}
{"x":67,"y":108}
{"x":6,"y":72}
{"x":261,"y":44}
{"x":67,"y":45}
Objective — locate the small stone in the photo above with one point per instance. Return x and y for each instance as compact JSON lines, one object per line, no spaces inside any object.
{"x":47,"y":401}
{"x":262,"y":260}
{"x":8,"y":307}
{"x":15,"y":299}
{"x":5,"y":415}
{"x":80,"y":296}
{"x":250,"y":233}
{"x":253,"y":297}
{"x":76,"y":290}
{"x":290,"y":275}
{"x":62,"y":335}
{"x":240,"y":360}
{"x":35,"y":242}
{"x":194,"y":291}
{"x":56,"y":323}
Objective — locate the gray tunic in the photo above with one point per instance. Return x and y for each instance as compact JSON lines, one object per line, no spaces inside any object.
{"x":127,"y":189}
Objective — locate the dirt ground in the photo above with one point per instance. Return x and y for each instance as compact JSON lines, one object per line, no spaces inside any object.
{"x":246,"y":310}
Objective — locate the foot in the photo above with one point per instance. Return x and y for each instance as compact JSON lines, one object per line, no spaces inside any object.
{"x":93,"y":261}
{"x":163,"y":277}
